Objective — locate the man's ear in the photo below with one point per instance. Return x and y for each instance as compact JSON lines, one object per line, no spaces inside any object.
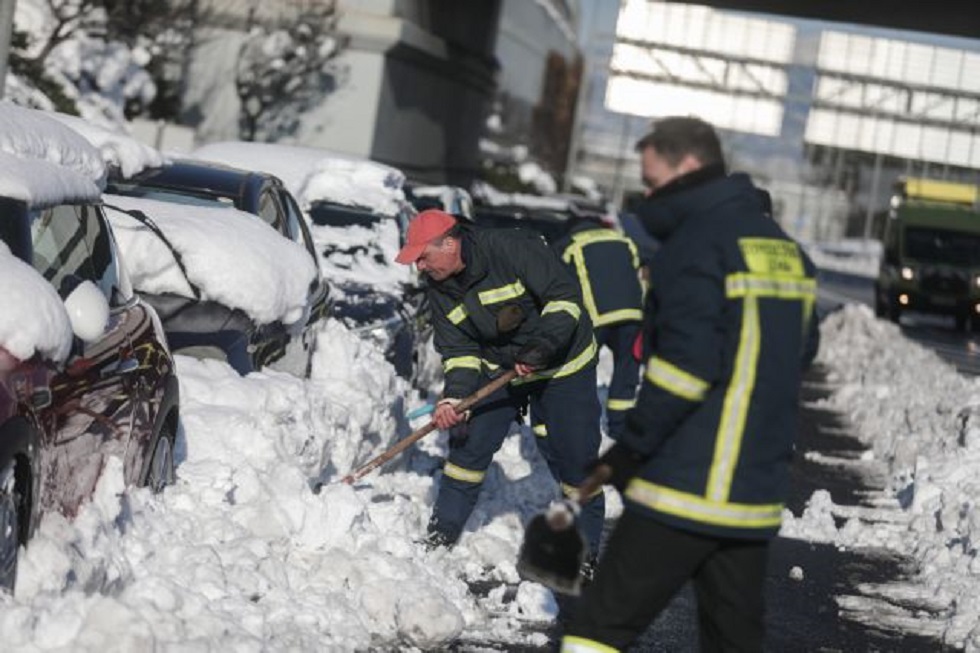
{"x":689,"y":163}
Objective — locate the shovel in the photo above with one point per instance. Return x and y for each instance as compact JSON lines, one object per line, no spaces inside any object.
{"x":418,"y":434}
{"x":553,"y":549}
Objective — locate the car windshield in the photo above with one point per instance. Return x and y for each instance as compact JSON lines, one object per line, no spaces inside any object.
{"x":130,"y":189}
{"x":942,"y":246}
{"x":339,"y":215}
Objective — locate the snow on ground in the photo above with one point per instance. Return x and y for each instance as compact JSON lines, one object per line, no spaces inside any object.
{"x":921,"y":422}
{"x":241,"y":555}
{"x":232,"y":257}
{"x":33,"y":317}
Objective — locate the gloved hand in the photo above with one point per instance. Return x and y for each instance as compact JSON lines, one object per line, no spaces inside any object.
{"x":623,"y":462}
{"x":445,"y":415}
{"x":535,"y":354}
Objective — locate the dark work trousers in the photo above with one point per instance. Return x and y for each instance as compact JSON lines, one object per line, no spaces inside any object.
{"x":626,"y":371}
{"x":647,"y":562}
{"x":565,"y":417}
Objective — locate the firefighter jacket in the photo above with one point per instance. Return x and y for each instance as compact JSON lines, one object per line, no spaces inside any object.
{"x":730,"y":325}
{"x":507,"y":270}
{"x":607,"y":266}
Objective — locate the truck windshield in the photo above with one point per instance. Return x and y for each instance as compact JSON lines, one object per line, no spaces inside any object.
{"x":942,"y":246}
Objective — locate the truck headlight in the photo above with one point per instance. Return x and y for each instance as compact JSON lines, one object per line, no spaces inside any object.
{"x":976,"y":280}
{"x":908,"y":273}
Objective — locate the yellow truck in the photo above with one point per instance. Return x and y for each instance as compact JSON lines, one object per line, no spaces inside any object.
{"x":931,"y":258}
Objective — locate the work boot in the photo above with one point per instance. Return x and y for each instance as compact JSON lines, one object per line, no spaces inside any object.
{"x":435,"y":540}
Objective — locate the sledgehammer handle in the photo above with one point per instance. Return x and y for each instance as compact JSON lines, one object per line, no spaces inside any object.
{"x":420,"y":433}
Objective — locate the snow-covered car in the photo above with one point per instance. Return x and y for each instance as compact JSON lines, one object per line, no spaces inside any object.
{"x":358,"y":214}
{"x":257,"y":193}
{"x":451,"y":199}
{"x":226,"y":285}
{"x":85,"y":373}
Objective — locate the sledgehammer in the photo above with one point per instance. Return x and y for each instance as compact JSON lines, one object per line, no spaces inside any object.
{"x":553,"y":549}
{"x":418,"y":434}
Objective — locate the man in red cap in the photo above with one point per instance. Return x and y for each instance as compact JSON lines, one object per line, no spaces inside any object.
{"x":502,"y":299}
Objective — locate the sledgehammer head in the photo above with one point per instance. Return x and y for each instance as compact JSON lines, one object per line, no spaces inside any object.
{"x":553,"y":550}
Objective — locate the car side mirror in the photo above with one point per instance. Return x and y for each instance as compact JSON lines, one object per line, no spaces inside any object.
{"x":88,"y":311}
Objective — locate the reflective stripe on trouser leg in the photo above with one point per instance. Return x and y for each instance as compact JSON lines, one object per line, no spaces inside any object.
{"x":469,"y":458}
{"x":570,"y":408}
{"x":625,"y":377}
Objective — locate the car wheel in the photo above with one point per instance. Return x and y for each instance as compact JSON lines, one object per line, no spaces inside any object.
{"x":161,"y":471}
{"x":9,"y":529}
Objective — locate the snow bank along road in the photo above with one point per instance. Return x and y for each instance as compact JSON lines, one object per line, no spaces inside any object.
{"x":936,"y":332}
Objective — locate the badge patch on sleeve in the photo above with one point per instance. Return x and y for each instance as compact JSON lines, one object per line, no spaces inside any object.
{"x":772,"y":257}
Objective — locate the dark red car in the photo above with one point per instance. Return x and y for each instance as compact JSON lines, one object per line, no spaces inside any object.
{"x":115,"y":395}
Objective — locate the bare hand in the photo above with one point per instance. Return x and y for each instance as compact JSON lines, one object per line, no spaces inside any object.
{"x":523,"y":369}
{"x":445,"y":416}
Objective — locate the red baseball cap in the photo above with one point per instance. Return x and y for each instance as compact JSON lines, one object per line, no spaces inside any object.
{"x":422,"y":230}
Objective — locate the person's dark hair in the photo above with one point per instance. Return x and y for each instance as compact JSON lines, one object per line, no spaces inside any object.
{"x":675,"y":137}
{"x":456,"y":231}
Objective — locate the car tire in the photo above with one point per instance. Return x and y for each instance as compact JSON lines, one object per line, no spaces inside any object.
{"x":10,"y":529}
{"x":160,"y":472}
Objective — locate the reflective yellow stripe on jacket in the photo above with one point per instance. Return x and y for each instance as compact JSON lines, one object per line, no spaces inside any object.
{"x":700,"y":509}
{"x":571,"y":367}
{"x":575,"y":254}
{"x":501,"y":294}
{"x":673,"y":379}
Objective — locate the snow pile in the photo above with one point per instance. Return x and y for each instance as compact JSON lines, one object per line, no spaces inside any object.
{"x":241,"y":555}
{"x":922,"y":422}
{"x":33,"y":317}
{"x":533,"y":175}
{"x":315,"y":175}
{"x":118,"y":149}
{"x":44,"y":162}
{"x":232,"y":257}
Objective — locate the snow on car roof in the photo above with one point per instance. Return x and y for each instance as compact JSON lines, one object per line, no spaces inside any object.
{"x":33,"y":318}
{"x":233,"y":257}
{"x":43,"y":162}
{"x":495,"y":197}
{"x":117,"y":149}
{"x":315,"y":175}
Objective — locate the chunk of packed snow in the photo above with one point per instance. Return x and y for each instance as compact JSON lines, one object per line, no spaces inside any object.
{"x":315,"y":175}
{"x":233,"y":257}
{"x":495,"y":197}
{"x":117,"y":149}
{"x":45,"y":162}
{"x":33,"y":318}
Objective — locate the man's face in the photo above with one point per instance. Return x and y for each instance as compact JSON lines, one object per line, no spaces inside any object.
{"x":440,"y":259}
{"x":658,"y":172}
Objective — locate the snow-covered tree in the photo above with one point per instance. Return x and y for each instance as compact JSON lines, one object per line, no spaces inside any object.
{"x":285,"y":71}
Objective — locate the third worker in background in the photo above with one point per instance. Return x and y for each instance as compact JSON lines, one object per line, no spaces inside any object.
{"x":607,"y":266}
{"x":703,"y":462}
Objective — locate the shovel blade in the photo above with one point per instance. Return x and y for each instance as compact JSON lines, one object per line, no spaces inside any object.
{"x":553,"y":556}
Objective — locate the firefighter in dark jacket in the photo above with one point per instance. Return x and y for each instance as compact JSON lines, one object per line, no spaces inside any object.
{"x":703,"y":464}
{"x":501,"y":299}
{"x":607,"y":266}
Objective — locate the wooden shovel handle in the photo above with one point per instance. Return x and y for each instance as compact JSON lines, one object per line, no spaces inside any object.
{"x":420,"y":433}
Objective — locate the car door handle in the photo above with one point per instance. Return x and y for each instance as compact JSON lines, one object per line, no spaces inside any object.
{"x":120,"y":368}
